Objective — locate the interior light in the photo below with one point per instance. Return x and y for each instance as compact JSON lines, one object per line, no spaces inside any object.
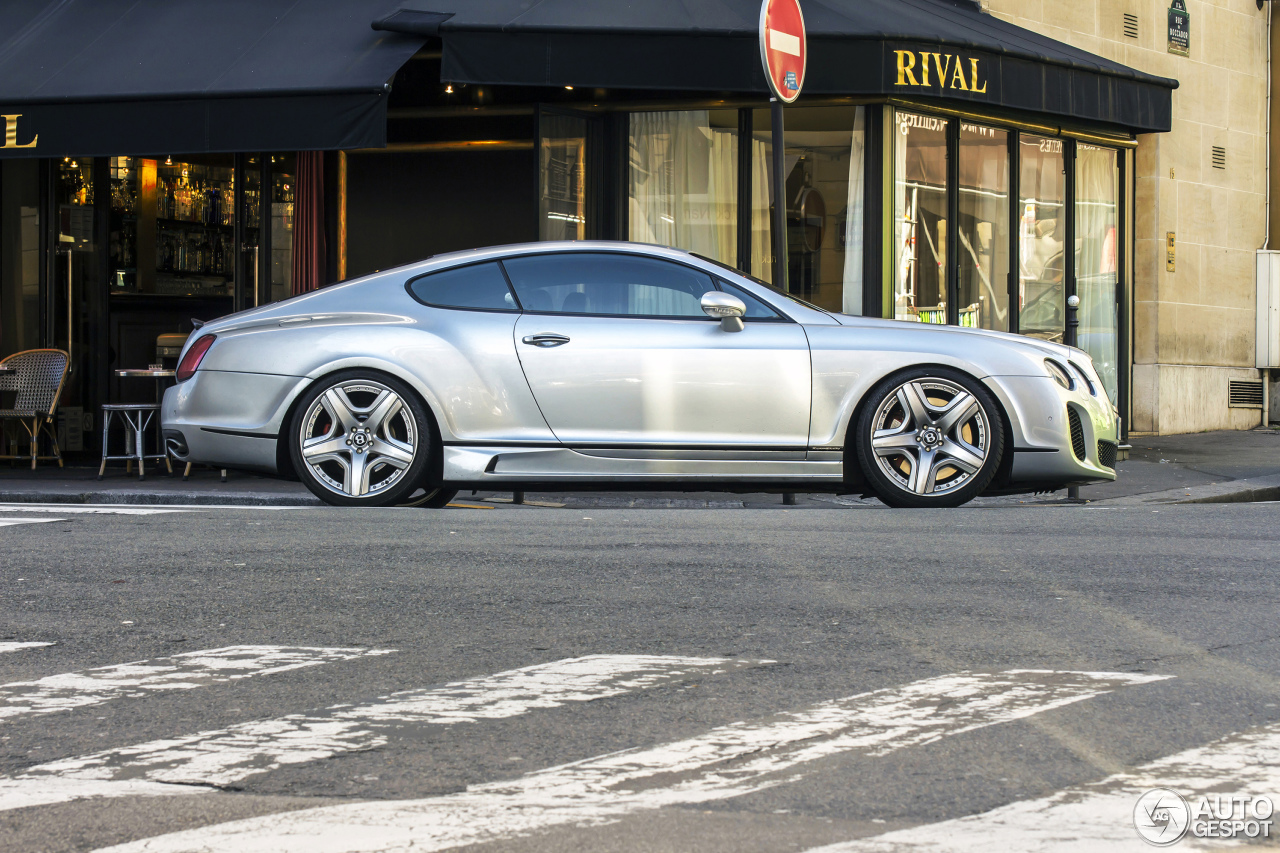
{"x":168,"y":161}
{"x":570,"y":88}
{"x":448,"y":90}
{"x":73,"y":165}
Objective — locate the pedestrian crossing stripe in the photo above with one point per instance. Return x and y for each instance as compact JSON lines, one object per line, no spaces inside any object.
{"x":227,"y":757}
{"x":16,"y":647}
{"x":73,"y":690}
{"x":726,"y":762}
{"x":10,"y":522}
{"x":1101,"y":811}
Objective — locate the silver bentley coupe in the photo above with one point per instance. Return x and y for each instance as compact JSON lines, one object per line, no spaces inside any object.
{"x":589,"y":365}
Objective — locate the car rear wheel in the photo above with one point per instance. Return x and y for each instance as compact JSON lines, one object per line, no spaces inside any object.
{"x":431,"y":498}
{"x":930,"y":438}
{"x":361,"y":439}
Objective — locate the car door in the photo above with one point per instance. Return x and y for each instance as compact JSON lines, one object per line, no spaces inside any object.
{"x":618,"y":353}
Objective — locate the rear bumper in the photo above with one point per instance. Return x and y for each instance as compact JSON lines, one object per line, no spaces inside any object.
{"x":232,"y":420}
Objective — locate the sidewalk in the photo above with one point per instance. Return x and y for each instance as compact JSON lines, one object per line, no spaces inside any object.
{"x":1201,"y":467}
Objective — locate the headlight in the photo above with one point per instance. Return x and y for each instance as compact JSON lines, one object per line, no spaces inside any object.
{"x":1059,"y":373}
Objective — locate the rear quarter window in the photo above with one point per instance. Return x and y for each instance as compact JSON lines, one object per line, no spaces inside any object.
{"x":477,"y":287}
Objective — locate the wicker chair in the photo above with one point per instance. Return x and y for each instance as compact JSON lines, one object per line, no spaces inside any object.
{"x":37,"y":377}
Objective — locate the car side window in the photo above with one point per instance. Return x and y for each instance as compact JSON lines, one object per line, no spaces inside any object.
{"x":608,"y":284}
{"x":480,"y":287}
{"x":756,"y":310}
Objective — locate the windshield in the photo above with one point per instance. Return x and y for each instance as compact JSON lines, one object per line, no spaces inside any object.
{"x":761,"y":282}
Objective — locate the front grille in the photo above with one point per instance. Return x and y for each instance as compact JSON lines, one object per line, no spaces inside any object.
{"x":1107,"y":454}
{"x":1077,"y":434}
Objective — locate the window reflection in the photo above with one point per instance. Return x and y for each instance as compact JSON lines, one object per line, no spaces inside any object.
{"x":1097,"y":197}
{"x":562,"y":198}
{"x":920,"y":217}
{"x":1041,"y":232}
{"x":983,"y":229}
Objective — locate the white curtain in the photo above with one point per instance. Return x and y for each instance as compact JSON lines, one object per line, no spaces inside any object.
{"x":1097,"y":198}
{"x":853,"y":231}
{"x":683,"y":183}
{"x":761,"y":198}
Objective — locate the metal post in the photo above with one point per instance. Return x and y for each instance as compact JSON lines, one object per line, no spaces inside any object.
{"x":779,"y":197}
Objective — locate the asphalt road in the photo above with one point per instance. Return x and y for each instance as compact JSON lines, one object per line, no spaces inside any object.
{"x":1010,"y":655}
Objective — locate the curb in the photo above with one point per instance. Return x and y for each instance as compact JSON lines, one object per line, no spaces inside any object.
{"x":1230,"y":492}
{"x":141,"y":498}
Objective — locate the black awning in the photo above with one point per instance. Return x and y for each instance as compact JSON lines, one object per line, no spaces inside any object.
{"x":857,"y":47}
{"x":105,"y":77}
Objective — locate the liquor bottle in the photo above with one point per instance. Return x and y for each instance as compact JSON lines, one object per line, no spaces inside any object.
{"x":217,"y":256}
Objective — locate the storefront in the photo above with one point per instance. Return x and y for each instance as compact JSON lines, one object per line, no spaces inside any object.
{"x":930,"y":178}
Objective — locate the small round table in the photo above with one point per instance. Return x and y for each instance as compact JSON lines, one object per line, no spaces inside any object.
{"x":137,"y":417}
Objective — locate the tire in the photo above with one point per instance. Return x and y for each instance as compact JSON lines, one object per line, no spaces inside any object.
{"x":360,"y":438}
{"x":929,"y":437}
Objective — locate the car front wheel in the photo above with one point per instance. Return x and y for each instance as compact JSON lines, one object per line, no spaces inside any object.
{"x":360,"y":439}
{"x":930,"y":438}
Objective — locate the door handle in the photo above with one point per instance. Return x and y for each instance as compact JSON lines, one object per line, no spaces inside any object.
{"x":545,"y":339}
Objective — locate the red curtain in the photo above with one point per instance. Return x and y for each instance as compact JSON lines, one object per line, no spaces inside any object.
{"x":308,"y":223}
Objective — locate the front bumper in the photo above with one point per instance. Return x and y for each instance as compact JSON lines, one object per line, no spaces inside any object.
{"x":231,"y":420}
{"x":1044,"y":416}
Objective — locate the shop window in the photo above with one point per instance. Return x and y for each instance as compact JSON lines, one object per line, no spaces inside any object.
{"x":283,"y":191}
{"x":562,"y":175}
{"x":1042,"y":227}
{"x":19,"y":256}
{"x":824,"y":161}
{"x":683,"y":181}
{"x":1096,"y":233}
{"x":479,"y":286}
{"x":982,"y":228}
{"x":920,"y":205}
{"x":613,"y":285}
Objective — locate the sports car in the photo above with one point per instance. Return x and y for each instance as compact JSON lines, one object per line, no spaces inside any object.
{"x":601,"y":365}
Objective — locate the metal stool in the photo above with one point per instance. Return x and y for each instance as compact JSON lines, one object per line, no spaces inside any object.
{"x":137,"y":417}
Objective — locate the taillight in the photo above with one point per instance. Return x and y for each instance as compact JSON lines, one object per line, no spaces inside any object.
{"x":191,"y":361}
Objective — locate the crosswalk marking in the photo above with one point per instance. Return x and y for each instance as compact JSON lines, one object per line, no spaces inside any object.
{"x":729,"y":761}
{"x":1096,"y":817}
{"x":13,"y":647}
{"x":179,"y":672}
{"x":228,"y":756}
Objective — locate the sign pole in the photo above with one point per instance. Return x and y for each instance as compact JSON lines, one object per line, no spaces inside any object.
{"x":780,"y":256}
{"x":783,"y":51}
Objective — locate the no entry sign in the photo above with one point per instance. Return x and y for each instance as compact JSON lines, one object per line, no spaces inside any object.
{"x":782,"y":47}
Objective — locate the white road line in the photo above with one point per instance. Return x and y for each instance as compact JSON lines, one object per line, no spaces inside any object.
{"x":82,"y":509}
{"x":180,"y":672}
{"x":726,"y":762}
{"x":1098,"y":816}
{"x":10,"y":522}
{"x":13,"y":647}
{"x":227,"y":756}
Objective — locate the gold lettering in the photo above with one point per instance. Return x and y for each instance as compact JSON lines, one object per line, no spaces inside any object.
{"x":958,"y":75}
{"x":942,"y":67}
{"x":906,"y":62}
{"x":973,"y":63}
{"x":11,"y":133}
{"x":924,"y":68}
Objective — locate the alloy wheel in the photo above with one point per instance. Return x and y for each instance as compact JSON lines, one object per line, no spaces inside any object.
{"x":930,"y":436}
{"x":359,"y":438}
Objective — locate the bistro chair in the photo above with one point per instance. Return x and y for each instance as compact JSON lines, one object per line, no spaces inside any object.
{"x":37,"y":377}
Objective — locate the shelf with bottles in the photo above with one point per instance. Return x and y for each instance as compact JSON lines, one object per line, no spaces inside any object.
{"x":207,"y":251}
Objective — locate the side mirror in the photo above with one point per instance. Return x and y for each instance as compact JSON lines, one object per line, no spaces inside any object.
{"x":727,"y":308}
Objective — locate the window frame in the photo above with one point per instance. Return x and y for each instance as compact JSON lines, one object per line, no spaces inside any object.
{"x":518,"y":309}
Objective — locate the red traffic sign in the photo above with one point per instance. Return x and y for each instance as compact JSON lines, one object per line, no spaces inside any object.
{"x":783,"y":49}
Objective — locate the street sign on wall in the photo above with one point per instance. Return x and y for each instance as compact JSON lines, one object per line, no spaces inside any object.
{"x":1179,"y":28}
{"x":783,"y":49}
